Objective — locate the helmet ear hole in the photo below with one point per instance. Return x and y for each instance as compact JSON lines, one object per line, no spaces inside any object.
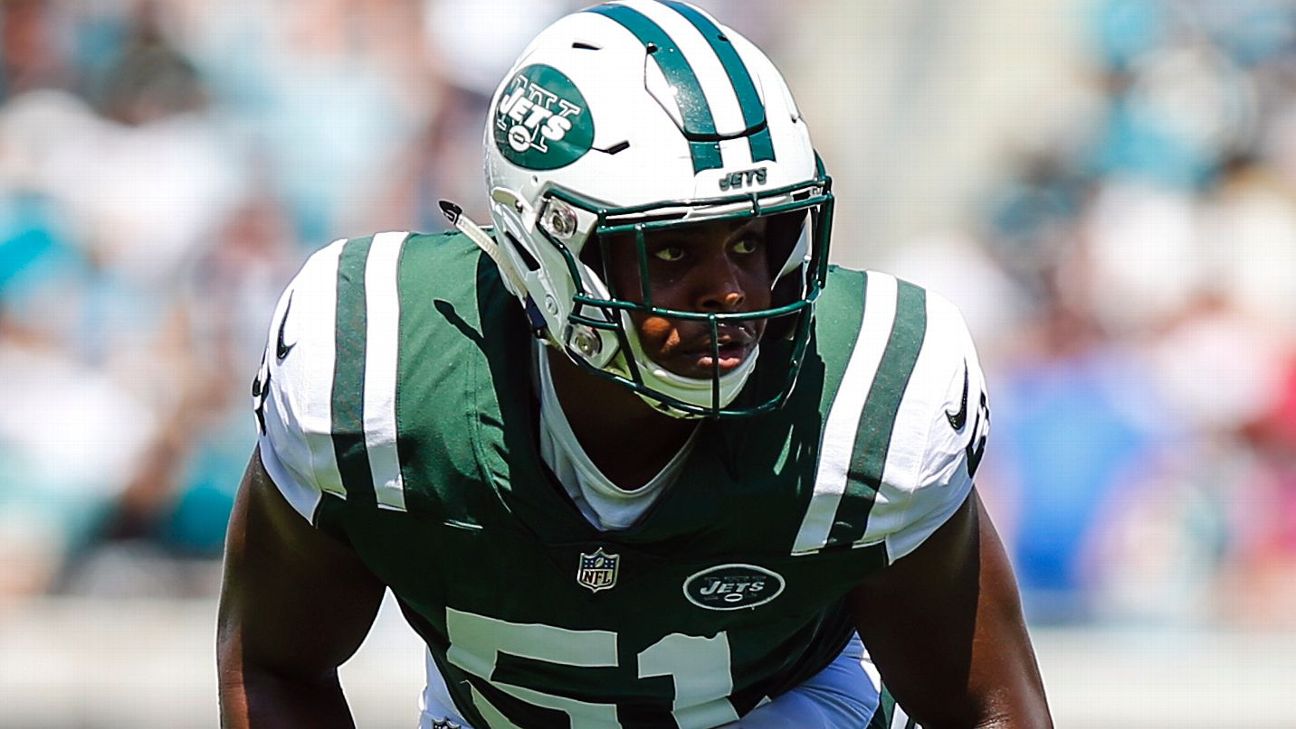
{"x":592,"y":255}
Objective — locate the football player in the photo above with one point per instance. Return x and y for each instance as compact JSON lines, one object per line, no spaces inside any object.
{"x":675,"y":485}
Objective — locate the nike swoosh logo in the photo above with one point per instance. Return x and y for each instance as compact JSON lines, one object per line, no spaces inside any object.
{"x":281,"y":349}
{"x":959,"y":419}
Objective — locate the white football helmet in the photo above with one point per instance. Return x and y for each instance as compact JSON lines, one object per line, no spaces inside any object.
{"x":633,"y":116}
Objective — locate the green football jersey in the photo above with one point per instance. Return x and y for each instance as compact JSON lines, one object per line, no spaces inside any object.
{"x":397,"y":412}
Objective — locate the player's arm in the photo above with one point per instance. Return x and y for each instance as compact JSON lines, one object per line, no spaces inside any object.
{"x":295,"y":603}
{"x":945,"y":628}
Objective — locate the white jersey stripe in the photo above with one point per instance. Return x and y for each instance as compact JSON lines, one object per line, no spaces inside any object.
{"x":382,"y":314}
{"x":909,"y":434}
{"x":843,"y":417}
{"x":320,"y":320}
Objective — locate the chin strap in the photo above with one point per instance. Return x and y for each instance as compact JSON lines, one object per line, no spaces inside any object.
{"x":487,"y":244}
{"x":512,"y":281}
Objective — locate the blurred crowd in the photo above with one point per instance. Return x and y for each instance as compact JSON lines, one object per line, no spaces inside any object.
{"x":164,"y":169}
{"x":165,"y":166}
{"x":1131,"y":277}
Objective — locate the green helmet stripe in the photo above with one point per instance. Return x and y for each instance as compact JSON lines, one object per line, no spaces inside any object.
{"x":877,"y":419}
{"x":350,"y":330}
{"x":698,"y":120}
{"x":753,"y":111}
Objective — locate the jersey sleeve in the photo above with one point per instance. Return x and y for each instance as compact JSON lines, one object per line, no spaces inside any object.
{"x":292,"y":393}
{"x":947,"y":403}
{"x":903,"y":431}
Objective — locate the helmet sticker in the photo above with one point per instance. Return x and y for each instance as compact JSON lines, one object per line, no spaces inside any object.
{"x":542,"y":121}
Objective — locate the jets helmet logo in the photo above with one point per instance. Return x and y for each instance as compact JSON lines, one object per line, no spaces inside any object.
{"x":598,"y":571}
{"x":541,"y":120}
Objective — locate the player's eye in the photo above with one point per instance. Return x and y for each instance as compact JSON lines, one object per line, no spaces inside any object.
{"x":670,"y":254}
{"x":746,"y":245}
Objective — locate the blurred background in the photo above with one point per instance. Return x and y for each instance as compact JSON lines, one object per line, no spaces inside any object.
{"x":1107,"y":188}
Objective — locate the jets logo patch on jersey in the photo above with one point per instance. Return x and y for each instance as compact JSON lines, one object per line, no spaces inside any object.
{"x":598,"y":571}
{"x":542,"y":121}
{"x":733,"y":587}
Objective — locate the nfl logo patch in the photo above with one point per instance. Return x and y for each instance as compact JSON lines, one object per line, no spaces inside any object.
{"x":598,"y":571}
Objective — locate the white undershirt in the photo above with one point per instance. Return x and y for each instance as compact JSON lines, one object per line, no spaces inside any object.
{"x":602,"y":502}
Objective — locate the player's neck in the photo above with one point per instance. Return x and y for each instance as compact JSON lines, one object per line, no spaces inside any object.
{"x":628,"y":440}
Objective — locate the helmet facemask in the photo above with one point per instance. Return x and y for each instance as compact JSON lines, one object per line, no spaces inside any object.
{"x":602,"y":334}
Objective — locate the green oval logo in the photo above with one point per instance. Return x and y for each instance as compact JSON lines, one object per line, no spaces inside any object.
{"x":733,"y":587}
{"x":542,"y":121}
